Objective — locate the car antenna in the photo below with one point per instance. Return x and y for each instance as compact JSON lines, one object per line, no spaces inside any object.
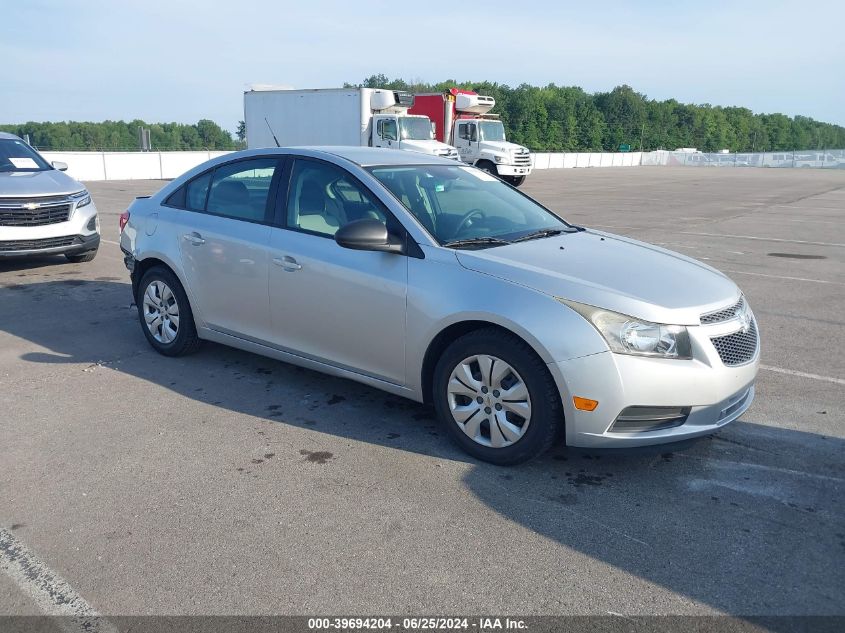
{"x":272,"y":132}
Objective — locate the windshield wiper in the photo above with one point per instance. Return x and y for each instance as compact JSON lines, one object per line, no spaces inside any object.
{"x":536,"y":235}
{"x":476,"y":241}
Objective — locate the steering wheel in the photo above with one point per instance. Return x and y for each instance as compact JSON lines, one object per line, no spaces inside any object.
{"x":465,"y":220}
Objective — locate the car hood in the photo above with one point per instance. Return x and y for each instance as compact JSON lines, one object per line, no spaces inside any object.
{"x":611,"y":272}
{"x":25,"y":184}
{"x":501,"y":146}
{"x":425,"y":147}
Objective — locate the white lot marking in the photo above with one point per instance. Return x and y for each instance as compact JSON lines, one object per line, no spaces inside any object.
{"x":815,"y":281}
{"x":761,"y":239}
{"x":52,"y":595}
{"x":110,"y":242}
{"x":802,"y":374}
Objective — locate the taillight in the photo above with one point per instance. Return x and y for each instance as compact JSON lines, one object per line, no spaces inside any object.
{"x":124,"y":219}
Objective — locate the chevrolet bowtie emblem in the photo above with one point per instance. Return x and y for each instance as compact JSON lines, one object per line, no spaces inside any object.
{"x":31,"y":206}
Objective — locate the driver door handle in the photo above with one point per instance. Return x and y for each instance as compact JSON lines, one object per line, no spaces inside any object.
{"x":287,"y":262}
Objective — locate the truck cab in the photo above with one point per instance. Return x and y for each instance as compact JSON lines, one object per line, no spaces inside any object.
{"x":408,"y":132}
{"x":462,"y":118}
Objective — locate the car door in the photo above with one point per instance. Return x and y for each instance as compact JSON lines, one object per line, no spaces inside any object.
{"x":328,"y":303}
{"x":224,"y":245}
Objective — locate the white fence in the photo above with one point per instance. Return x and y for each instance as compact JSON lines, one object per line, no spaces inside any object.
{"x":165,"y":165}
{"x":129,"y":165}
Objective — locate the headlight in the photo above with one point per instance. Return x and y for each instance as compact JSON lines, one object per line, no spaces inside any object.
{"x":628,"y":335}
{"x":501,"y":159}
{"x":82,"y":198}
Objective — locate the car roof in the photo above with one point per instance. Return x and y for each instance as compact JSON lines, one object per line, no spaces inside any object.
{"x":7,"y":135}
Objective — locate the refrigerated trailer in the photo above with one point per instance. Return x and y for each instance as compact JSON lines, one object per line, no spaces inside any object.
{"x":338,"y":116}
{"x":462,"y":118}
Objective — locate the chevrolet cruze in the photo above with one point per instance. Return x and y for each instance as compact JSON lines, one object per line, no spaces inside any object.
{"x":441,"y":283}
{"x":43,"y":211}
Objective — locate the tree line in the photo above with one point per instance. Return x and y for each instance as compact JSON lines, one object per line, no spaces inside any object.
{"x":559,"y":118}
{"x":550,"y":118}
{"x":123,"y":135}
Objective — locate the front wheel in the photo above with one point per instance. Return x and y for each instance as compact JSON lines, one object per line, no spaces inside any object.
{"x":516,"y":181}
{"x":486,"y":165}
{"x":165,"y":313}
{"x":496,"y":397}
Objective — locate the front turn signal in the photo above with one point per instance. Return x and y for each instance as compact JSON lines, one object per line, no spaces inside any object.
{"x":584,"y":404}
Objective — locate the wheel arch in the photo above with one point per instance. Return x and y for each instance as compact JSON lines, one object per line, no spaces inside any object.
{"x":454,"y":331}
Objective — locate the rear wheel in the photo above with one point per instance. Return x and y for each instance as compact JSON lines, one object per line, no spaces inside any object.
{"x":165,"y":314}
{"x":79,"y":258}
{"x":496,"y":397}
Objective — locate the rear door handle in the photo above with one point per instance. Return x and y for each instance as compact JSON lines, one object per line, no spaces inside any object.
{"x":287,"y":262}
{"x":194,"y":238}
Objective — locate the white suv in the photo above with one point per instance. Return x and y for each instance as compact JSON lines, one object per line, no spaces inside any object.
{"x":42,"y":210}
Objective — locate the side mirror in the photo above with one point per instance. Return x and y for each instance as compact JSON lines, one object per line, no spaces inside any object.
{"x":368,"y":234}
{"x":57,"y":164}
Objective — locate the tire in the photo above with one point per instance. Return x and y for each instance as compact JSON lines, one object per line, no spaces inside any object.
{"x":525,"y":437}
{"x":516,"y":181}
{"x":79,"y":258}
{"x":165,"y":292}
{"x":490,"y":168}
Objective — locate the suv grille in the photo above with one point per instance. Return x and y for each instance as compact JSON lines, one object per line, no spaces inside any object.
{"x":52,"y":210}
{"x":737,"y":348}
{"x":11,"y":246}
{"x":725,"y":314}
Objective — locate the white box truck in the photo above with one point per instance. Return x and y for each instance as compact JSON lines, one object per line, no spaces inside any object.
{"x":338,"y":116}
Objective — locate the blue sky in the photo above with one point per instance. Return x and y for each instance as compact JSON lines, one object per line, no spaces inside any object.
{"x":162,"y":60}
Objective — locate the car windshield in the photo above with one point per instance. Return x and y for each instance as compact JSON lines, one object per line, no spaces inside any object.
{"x":415,"y":128}
{"x":460,"y":203}
{"x":492,"y":131}
{"x":15,"y":155}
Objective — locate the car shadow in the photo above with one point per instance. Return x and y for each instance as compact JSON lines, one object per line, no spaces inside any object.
{"x":748,"y":521}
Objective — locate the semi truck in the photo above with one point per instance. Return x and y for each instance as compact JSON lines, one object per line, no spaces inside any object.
{"x":276,"y":116}
{"x":462,"y":118}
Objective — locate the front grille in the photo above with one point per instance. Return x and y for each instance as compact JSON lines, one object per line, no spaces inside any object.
{"x":725,"y":314}
{"x":737,"y":348}
{"x":522,"y":160}
{"x":11,"y":246}
{"x":46,"y":214}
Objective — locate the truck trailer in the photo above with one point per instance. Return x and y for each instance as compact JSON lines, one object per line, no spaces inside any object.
{"x":338,"y":116}
{"x":462,"y":118}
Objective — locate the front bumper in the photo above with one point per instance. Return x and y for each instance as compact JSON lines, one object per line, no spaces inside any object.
{"x":513,"y":170}
{"x":79,"y":234}
{"x":715,"y":394}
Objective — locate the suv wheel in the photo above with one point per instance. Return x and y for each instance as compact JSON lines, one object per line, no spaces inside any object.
{"x":165,"y":313}
{"x":496,"y":397}
{"x":79,"y":258}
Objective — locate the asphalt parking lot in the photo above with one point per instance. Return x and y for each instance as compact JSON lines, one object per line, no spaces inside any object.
{"x":228,"y":483}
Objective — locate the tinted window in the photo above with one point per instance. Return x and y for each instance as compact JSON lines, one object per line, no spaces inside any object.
{"x":196,"y":192}
{"x":240,"y":190}
{"x":323,"y":197}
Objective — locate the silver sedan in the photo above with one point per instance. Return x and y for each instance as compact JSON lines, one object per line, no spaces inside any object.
{"x":440,"y":283}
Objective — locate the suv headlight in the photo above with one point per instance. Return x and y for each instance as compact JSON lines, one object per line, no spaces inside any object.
{"x":83,"y":198}
{"x":629,"y":335}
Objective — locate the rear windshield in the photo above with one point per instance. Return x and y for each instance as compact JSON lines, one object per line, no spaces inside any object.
{"x":15,"y":155}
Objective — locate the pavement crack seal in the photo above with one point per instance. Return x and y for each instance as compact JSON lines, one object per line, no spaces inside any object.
{"x":52,"y":594}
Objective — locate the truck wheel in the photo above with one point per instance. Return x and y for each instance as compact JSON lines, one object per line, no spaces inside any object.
{"x":486,"y":165}
{"x":516,"y":180}
{"x":496,"y":397}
